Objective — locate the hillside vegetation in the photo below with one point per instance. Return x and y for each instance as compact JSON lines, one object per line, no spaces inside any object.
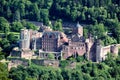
{"x":101,"y":18}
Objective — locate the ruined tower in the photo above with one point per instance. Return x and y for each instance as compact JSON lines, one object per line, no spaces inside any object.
{"x":24,"y":39}
{"x":99,"y":52}
{"x":114,"y":49}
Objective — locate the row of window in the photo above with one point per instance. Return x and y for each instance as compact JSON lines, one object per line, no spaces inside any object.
{"x":50,"y":49}
{"x":75,"y":48}
{"x":49,"y":44}
{"x":82,"y":45}
{"x":51,"y":36}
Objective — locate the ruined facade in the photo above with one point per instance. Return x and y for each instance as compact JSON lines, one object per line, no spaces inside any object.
{"x":101,"y":52}
{"x":17,"y":62}
{"x":44,"y":62}
{"x":63,"y":46}
{"x":77,"y":45}
{"x":52,"y":41}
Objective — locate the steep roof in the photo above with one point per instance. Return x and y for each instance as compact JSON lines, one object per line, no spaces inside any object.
{"x":78,"y":25}
{"x":57,"y":34}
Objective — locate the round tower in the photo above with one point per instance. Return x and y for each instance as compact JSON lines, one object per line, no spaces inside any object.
{"x":114,"y":49}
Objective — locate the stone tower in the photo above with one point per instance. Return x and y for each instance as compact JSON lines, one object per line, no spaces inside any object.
{"x":99,"y":53}
{"x":114,"y":49}
{"x":24,"y":39}
{"x":78,"y":29}
{"x":33,"y":44}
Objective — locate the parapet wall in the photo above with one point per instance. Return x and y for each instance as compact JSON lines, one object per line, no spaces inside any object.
{"x":14,"y":62}
{"x":53,"y":63}
{"x":103,"y":51}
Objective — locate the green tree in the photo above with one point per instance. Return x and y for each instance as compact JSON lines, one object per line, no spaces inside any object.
{"x":109,"y":40}
{"x":83,"y":16}
{"x":45,"y":16}
{"x":3,"y":72}
{"x":66,"y":74}
{"x":76,"y":75}
{"x":64,"y":63}
{"x":85,"y":32}
{"x":4,"y":25}
{"x":52,"y":75}
{"x":22,"y":9}
{"x":44,"y":76}
{"x":8,"y":12}
{"x":16,"y":26}
{"x":80,"y":58}
{"x":4,"y":43}
{"x":16,"y":16}
{"x":74,"y":14}
{"x":58,"y":25}
{"x":2,"y":55}
{"x":86,"y":77}
{"x":30,"y":26}
{"x":117,"y":32}
{"x":12,"y":38}
{"x":36,"y":12}
{"x":90,"y":3}
{"x":98,"y":30}
{"x":51,"y":56}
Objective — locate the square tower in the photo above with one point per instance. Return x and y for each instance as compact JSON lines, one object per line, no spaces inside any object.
{"x":24,"y":39}
{"x":78,"y":29}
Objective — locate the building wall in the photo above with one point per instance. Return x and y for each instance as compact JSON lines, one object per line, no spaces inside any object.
{"x":15,"y":53}
{"x":101,"y":52}
{"x":74,"y":48}
{"x":49,"y":44}
{"x":115,"y":49}
{"x":17,"y":62}
{"x":98,"y":53}
{"x":78,"y":29}
{"x":52,"y":41}
{"x":27,"y":54}
{"x":53,"y":63}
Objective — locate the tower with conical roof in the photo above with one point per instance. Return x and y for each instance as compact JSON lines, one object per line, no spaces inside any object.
{"x":78,"y":29}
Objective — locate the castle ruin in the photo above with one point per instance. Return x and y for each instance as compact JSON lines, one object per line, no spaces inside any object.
{"x":63,"y":46}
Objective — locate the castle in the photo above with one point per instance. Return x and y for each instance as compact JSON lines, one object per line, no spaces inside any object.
{"x":61,"y":45}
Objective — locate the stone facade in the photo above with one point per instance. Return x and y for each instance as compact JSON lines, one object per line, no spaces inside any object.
{"x":44,"y":62}
{"x":45,"y":55}
{"x":71,"y":45}
{"x":78,"y":29}
{"x":52,"y":41}
{"x":17,"y":62}
{"x":101,"y":52}
{"x":74,"y":48}
{"x":27,"y":54}
{"x":29,"y":39}
{"x":77,"y":45}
